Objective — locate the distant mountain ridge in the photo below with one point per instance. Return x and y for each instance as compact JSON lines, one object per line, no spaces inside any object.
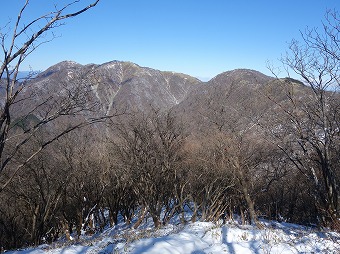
{"x":235,"y":96}
{"x":129,"y":83}
{"x":121,"y":83}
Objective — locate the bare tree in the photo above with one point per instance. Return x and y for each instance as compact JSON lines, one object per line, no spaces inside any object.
{"x":87,"y":166}
{"x":210,"y":184}
{"x":313,"y":119}
{"x":234,"y":113}
{"x":149,"y":149}
{"x":17,"y":41}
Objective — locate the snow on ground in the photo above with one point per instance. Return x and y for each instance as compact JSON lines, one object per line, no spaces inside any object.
{"x":199,"y":238}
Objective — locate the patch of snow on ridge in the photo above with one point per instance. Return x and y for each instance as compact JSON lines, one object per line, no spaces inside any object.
{"x":111,"y":65}
{"x":72,"y":63}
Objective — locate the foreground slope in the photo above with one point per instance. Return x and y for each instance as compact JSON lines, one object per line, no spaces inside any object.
{"x":199,"y":238}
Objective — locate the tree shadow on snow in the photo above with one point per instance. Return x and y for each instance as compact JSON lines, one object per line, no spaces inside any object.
{"x":230,"y":246}
{"x":198,"y":252}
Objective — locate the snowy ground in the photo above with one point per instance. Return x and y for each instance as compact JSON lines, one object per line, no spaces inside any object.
{"x":199,"y":238}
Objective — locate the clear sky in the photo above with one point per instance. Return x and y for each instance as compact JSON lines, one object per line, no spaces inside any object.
{"x":198,"y":37}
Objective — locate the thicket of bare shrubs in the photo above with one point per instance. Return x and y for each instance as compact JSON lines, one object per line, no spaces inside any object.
{"x":148,"y":166}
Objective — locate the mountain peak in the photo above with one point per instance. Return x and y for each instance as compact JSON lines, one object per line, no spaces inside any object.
{"x":242,"y":76}
{"x":64,"y":65}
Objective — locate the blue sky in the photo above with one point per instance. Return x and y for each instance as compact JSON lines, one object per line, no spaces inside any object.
{"x":200,"y":38}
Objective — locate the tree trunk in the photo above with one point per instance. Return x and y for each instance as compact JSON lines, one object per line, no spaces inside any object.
{"x":156,"y":221}
{"x":194,"y":214}
{"x":332,"y":193}
{"x":141,"y":217}
{"x":34,"y":228}
{"x":246,"y":195}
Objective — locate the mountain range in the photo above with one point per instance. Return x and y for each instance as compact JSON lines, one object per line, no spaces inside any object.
{"x":234,"y":97}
